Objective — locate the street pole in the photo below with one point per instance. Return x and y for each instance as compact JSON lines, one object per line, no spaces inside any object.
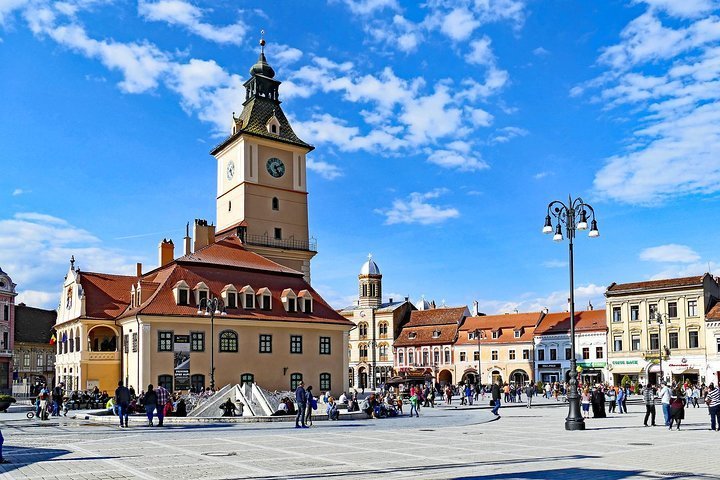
{"x":566,"y":214}
{"x":212,"y":347}
{"x":477,"y":336}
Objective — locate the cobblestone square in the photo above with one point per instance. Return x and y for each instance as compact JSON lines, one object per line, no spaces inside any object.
{"x":443,"y":443}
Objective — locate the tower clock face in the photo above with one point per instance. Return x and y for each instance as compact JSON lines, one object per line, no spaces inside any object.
{"x":275,"y":167}
{"x":230,"y":170}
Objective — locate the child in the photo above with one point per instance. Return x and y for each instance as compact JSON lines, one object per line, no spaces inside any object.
{"x":414,"y":405}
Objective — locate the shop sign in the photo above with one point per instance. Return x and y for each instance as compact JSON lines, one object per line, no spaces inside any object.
{"x":591,"y":364}
{"x":549,"y":365}
{"x":625,"y":362}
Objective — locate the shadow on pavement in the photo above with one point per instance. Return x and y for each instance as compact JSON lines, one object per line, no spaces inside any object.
{"x":564,"y":473}
{"x":424,"y":469}
{"x":19,"y":457}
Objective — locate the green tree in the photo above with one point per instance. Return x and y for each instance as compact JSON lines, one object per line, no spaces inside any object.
{"x":625,"y":382}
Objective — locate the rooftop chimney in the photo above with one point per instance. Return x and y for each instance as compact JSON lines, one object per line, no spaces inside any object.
{"x":138,"y":269}
{"x":166,"y":252}
{"x":186,"y":248}
{"x":546,"y":310}
{"x":475,"y":309}
{"x":590,"y":305}
{"x":203,"y":234}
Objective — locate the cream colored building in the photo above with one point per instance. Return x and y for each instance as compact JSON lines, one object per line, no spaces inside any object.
{"x":377,"y":325}
{"x":712,"y":345}
{"x":269,"y":326}
{"x":636,"y":340}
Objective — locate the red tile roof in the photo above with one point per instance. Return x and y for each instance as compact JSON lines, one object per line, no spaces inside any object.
{"x":655,"y":284}
{"x":424,"y":335}
{"x":437,"y":316}
{"x":505,"y":324}
{"x":585,"y":321}
{"x":106,"y":296}
{"x":714,"y":313}
{"x":228,"y":262}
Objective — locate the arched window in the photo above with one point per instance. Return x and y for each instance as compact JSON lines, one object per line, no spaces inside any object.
{"x":228,"y":341}
{"x":411,"y":357}
{"x":363,"y":351}
{"x":383,"y":328}
{"x":363,"y":327}
{"x":247,"y":378}
{"x":197,"y":382}
{"x":275,"y":203}
{"x":436,"y":357}
{"x":383,"y":351}
{"x":71,"y":341}
{"x":401,"y":358}
{"x":324,"y":382}
{"x":295,"y":379}
{"x":351,"y":377}
{"x":166,"y":381}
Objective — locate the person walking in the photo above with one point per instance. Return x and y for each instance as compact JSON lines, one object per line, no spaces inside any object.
{"x":712,"y":399}
{"x":677,"y":408}
{"x":150,"y":403}
{"x":495,"y":395}
{"x":649,"y":399}
{"x":162,"y":397}
{"x":585,"y":401}
{"x":414,"y":403}
{"x":665,"y":397}
{"x":611,"y":396}
{"x":468,"y":394}
{"x":122,"y":402}
{"x":530,"y":391}
{"x":695,"y":396}
{"x":621,"y":400}
{"x":310,"y":405}
{"x":301,"y":400}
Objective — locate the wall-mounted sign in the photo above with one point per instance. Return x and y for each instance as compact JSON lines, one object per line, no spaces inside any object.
{"x":549,"y":365}
{"x":625,"y":362}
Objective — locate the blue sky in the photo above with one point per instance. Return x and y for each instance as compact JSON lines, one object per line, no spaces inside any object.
{"x":443,"y":130}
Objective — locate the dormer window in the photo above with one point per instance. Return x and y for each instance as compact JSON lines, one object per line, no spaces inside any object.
{"x":273,"y":125}
{"x":305,"y":301}
{"x":132,"y":297}
{"x":247,"y":297}
{"x":496,"y":334}
{"x":229,"y":295}
{"x":436,"y":334}
{"x":289,"y":300}
{"x":518,"y":333}
{"x":264,"y":298}
{"x":412,"y":335}
{"x":202,"y":293}
{"x":181,"y":292}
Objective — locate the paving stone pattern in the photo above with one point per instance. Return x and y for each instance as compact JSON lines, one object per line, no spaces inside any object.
{"x":442,"y":443}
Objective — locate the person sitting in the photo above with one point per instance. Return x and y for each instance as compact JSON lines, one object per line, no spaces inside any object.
{"x":228,"y":408}
{"x":343,"y":399}
{"x":168,"y":408}
{"x":332,"y":409}
{"x":282,"y":408}
{"x":181,"y":408}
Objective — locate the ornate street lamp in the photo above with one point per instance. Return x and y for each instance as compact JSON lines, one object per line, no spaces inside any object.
{"x":211,"y":307}
{"x":574,"y":216}
{"x":478,"y":335}
{"x":660,"y":319}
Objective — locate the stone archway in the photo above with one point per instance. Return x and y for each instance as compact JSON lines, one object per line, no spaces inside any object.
{"x":445,"y":377}
{"x":519,"y":377}
{"x":362,"y":377}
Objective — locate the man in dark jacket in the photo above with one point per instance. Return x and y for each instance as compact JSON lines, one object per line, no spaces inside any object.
{"x":122,"y":400}
{"x":301,"y":400}
{"x":495,"y":392}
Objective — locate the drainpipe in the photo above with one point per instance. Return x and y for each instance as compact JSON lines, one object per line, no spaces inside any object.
{"x":137,"y":319}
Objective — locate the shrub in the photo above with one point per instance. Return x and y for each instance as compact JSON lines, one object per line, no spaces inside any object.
{"x":539,"y":387}
{"x":625,"y":382}
{"x":7,"y":398}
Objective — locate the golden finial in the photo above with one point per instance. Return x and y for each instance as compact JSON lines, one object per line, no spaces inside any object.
{"x":262,"y":41}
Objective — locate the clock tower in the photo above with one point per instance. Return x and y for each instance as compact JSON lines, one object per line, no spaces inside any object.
{"x":261,"y":176}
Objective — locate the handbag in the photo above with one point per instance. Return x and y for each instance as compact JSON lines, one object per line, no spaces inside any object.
{"x":492,"y":403}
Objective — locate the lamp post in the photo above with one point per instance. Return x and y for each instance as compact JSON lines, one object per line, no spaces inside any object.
{"x":478,"y":333}
{"x":211,"y":307}
{"x":574,"y":216}
{"x":660,"y":318}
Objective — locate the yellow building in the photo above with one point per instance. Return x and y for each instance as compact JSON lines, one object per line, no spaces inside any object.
{"x":502,"y":343}
{"x":377,"y":325}
{"x":647,"y":320}
{"x":269,"y":326}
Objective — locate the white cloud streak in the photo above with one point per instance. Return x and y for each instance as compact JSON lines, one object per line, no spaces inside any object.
{"x":417,"y":209}
{"x":670,"y":253}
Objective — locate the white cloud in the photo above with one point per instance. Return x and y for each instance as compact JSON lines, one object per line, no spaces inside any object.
{"x":326,"y":170}
{"x":8,"y":8}
{"x":670,"y":253}
{"x":185,"y":14}
{"x":667,"y":73}
{"x":283,"y":55}
{"x":36,"y":298}
{"x":687,"y":270}
{"x":684,"y":8}
{"x":556,"y":301}
{"x":480,"y":52}
{"x":416,"y":208}
{"x":506,"y":134}
{"x":20,"y":191}
{"x":555,"y":264}
{"x":459,"y":24}
{"x":541,"y":175}
{"x":365,"y":7}
{"x":457,"y":160}
{"x":35,"y":250}
{"x":540,"y":52}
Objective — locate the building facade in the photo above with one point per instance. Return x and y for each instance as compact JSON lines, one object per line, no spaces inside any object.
{"x":34,"y":355}
{"x":660,"y":325}
{"x":7,"y":330}
{"x":424,"y":348}
{"x":712,"y":345}
{"x":553,"y":349}
{"x":377,"y":325}
{"x":500,"y":347}
{"x":268,"y":326}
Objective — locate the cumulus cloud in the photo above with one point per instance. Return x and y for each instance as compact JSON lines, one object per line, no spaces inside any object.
{"x":326,"y":170}
{"x":670,"y":253}
{"x":189,"y":16}
{"x":417,"y":209}
{"x":35,"y":249}
{"x":19,"y":191}
{"x":556,"y":301}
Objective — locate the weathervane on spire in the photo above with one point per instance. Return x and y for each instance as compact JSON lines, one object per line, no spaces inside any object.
{"x":72,"y":262}
{"x":369,"y":256}
{"x":262,"y":41}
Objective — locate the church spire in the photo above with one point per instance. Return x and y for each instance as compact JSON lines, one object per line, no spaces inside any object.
{"x":262,"y":83}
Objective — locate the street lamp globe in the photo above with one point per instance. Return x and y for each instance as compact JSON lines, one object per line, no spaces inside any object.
{"x":558,"y":234}
{"x":548,"y":225}
{"x":582,"y":223}
{"x":594,"y":233}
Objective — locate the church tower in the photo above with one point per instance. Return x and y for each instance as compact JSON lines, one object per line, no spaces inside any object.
{"x":261,"y":176}
{"x":370,"y":284}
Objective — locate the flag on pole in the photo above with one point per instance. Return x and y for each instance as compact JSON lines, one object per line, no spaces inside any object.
{"x":53,"y":339}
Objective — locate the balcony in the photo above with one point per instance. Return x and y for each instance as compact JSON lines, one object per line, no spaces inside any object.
{"x":93,"y":356}
{"x":655,"y":355}
{"x":289,"y":244}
